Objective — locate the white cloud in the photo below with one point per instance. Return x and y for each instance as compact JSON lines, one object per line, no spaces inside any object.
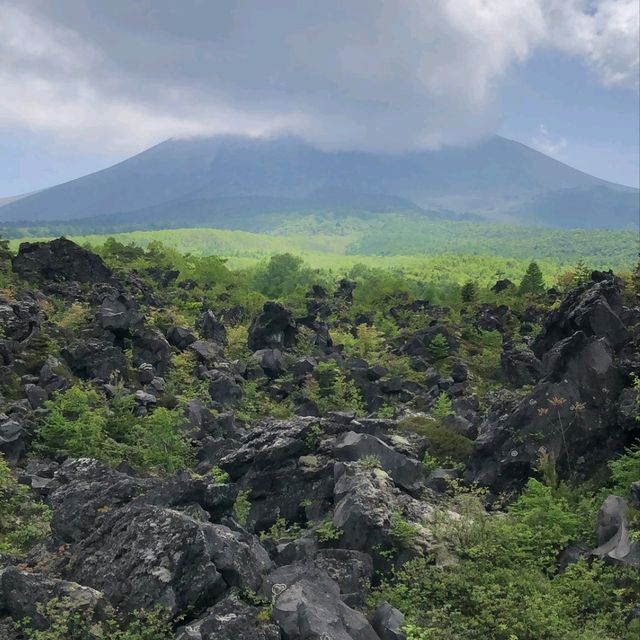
{"x":543,"y":141}
{"x":366,"y":74}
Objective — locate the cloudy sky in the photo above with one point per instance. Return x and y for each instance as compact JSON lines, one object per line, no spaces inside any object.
{"x":85,"y":83}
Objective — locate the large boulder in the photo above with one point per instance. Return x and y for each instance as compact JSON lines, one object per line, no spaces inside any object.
{"x":143,"y":556}
{"x":150,"y":346}
{"x":273,"y":328}
{"x":118,"y":314}
{"x":405,"y":472}
{"x":211,"y":328}
{"x":307,"y":604}
{"x":612,"y":534}
{"x":593,"y":308}
{"x":18,"y":318}
{"x":23,"y":595}
{"x":519,"y":366}
{"x":59,"y":259}
{"x":230,"y":619}
{"x":93,"y":358}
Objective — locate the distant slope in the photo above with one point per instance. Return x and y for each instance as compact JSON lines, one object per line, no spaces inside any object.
{"x":234,"y":181}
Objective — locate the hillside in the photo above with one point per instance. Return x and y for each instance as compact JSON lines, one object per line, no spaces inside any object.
{"x":229,"y":182}
{"x":191,"y":452}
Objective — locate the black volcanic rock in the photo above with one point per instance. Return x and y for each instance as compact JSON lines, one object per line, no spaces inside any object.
{"x":59,"y":259}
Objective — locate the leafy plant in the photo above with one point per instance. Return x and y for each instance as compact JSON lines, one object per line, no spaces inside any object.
{"x":242,"y":507}
{"x":326,"y":531}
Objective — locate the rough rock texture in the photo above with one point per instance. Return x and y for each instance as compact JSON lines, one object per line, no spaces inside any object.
{"x":230,"y":619}
{"x":612,"y":535}
{"x":572,"y":412}
{"x":274,"y":328}
{"x":59,"y":259}
{"x":21,"y":595}
{"x":307,"y":604}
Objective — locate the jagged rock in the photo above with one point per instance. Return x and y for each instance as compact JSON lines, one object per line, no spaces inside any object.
{"x":364,"y":504}
{"x":150,"y":346}
{"x":459,"y":371}
{"x":345,"y":290}
{"x":352,"y":571}
{"x":59,"y":259}
{"x":22,"y":594}
{"x":273,"y":328}
{"x":570,"y":413}
{"x":388,"y":622}
{"x":502,"y":285}
{"x":94,"y":359}
{"x":119,"y":315}
{"x":405,"y":472}
{"x":520,"y":367}
{"x":592,"y":308}
{"x":180,"y":337}
{"x":223,"y":388}
{"x":211,"y":328}
{"x":207,"y":351}
{"x":36,"y":395}
{"x":54,"y":376}
{"x":84,"y":491}
{"x":230,"y":619}
{"x":18,"y":318}
{"x":271,"y":361}
{"x":12,"y":439}
{"x":142,"y":556}
{"x":491,"y":317}
{"x":307,"y":604}
{"x":612,"y":535}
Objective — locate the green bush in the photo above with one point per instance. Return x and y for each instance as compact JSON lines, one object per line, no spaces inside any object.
{"x":445,"y":445}
{"x":330,"y":390}
{"x":67,"y":624}
{"x":504,"y":585}
{"x":81,"y":423}
{"x":23,"y":521}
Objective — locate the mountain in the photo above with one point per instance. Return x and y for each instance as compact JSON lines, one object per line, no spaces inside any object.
{"x":232,"y":181}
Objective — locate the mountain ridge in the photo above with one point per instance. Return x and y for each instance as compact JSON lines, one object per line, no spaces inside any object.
{"x":198,"y":179}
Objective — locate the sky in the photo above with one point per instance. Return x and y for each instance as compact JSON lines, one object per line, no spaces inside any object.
{"x":87,"y":83}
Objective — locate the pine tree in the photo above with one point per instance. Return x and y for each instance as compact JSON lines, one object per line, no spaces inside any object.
{"x":439,"y":347}
{"x":532,"y":282}
{"x":469,"y":291}
{"x":581,"y":273}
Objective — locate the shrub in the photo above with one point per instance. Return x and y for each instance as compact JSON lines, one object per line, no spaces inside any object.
{"x":241,"y":507}
{"x":329,"y":390}
{"x":326,"y":531}
{"x":469,"y":291}
{"x":369,"y":462}
{"x":445,"y":445}
{"x":66,"y":624}
{"x":23,"y":521}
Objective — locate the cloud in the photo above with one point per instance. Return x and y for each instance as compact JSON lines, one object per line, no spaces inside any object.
{"x":368,"y":74}
{"x":544,"y":142}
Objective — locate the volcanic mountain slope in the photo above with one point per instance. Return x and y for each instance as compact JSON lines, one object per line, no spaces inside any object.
{"x":231,"y":181}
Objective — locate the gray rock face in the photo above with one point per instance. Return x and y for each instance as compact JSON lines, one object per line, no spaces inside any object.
{"x":211,"y":328}
{"x":180,"y":337}
{"x":94,"y":358}
{"x":12,"y":439}
{"x":612,"y":535}
{"x":83,"y":492}
{"x":150,"y":346}
{"x":307,"y":604}
{"x":230,"y":619}
{"x":405,"y":472}
{"x":273,"y":328}
{"x":388,"y":622}
{"x":572,"y":411}
{"x":21,"y":595}
{"x":142,"y":556}
{"x":59,"y":259}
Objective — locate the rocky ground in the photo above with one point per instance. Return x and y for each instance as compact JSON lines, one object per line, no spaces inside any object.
{"x":281,"y":527}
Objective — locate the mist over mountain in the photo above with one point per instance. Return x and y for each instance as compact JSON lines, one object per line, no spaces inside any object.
{"x":231,"y":181}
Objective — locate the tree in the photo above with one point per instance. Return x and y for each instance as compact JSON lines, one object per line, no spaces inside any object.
{"x":581,"y":273}
{"x":5,"y":253}
{"x":439,"y":347}
{"x":532,"y":282}
{"x":469,"y":291}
